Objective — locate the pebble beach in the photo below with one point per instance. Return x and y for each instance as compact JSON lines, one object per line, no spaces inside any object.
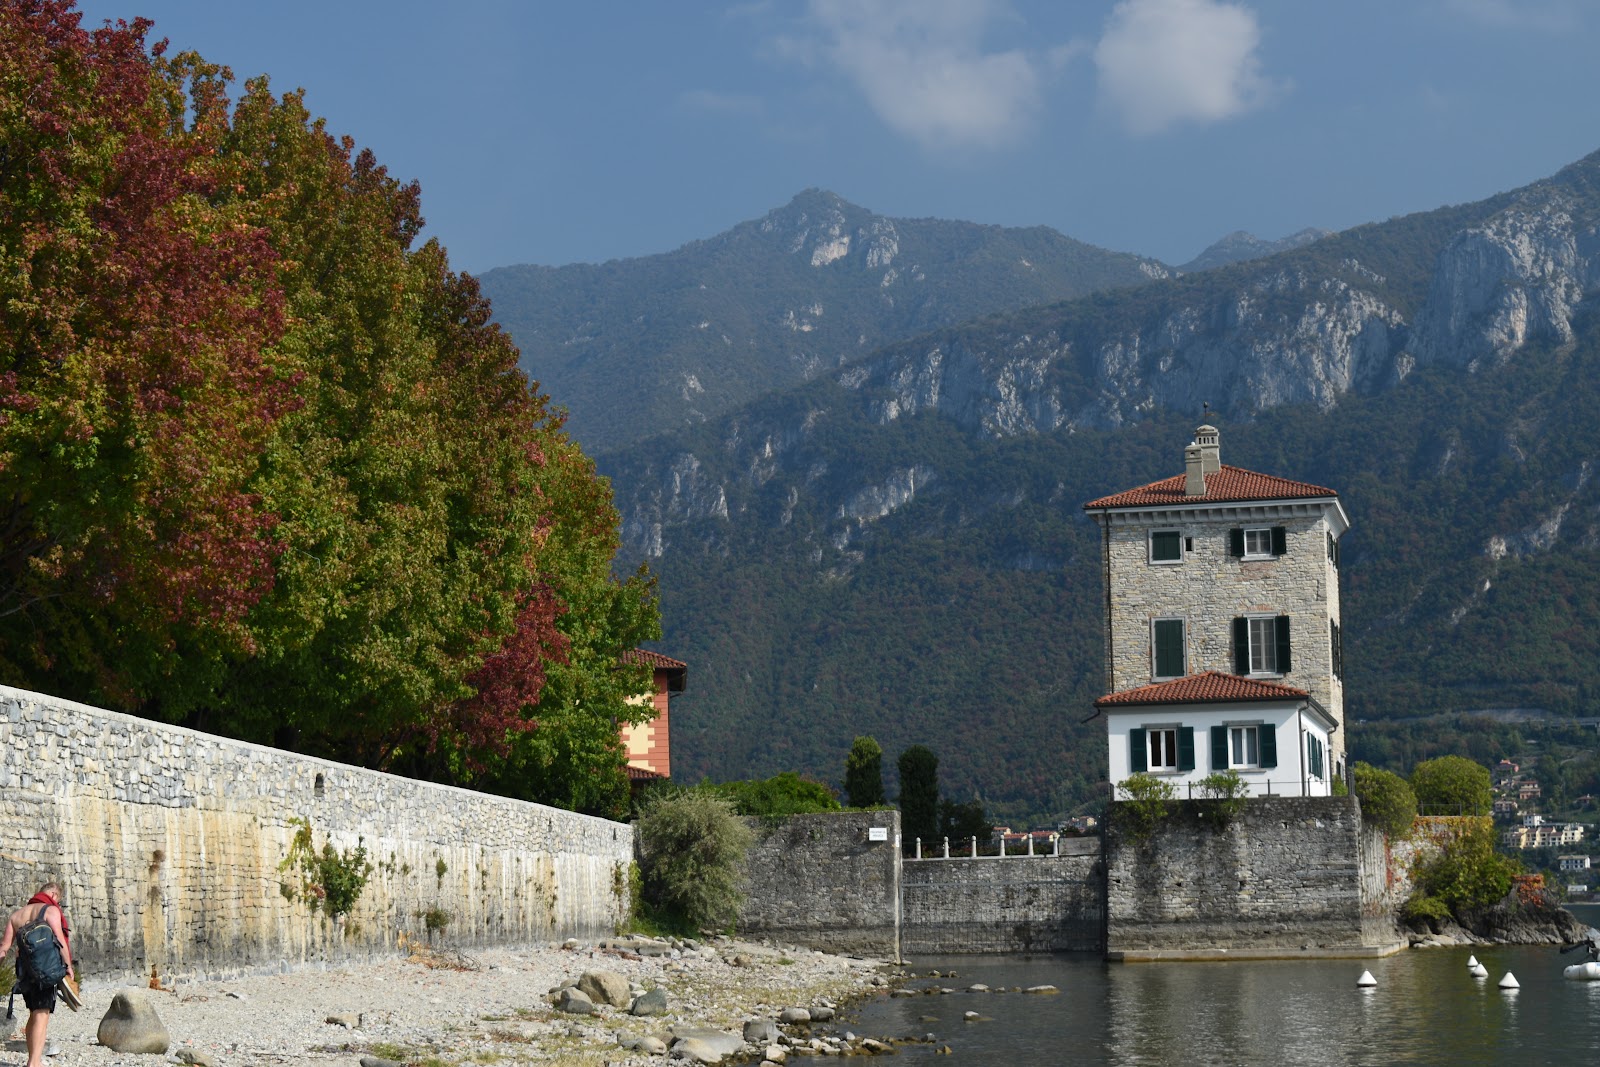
{"x":440,"y":1008}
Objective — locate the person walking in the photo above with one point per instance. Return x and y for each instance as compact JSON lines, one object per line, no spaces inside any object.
{"x":44,"y":905}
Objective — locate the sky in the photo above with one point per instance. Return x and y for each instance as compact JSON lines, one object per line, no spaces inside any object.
{"x":551,"y":133}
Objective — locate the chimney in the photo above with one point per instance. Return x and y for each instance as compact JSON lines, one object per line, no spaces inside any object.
{"x":1208,"y":439}
{"x":1194,"y":478}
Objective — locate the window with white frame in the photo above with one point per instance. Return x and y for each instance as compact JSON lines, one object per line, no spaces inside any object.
{"x":1261,"y":644}
{"x":1244,"y":746}
{"x":1243,"y":751}
{"x":1316,"y":757}
{"x":1166,"y":647}
{"x":1258,"y":542}
{"x":1162,"y":749}
{"x":1166,"y":546}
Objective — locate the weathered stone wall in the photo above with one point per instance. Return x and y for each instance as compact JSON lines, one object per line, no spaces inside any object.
{"x":168,"y":843}
{"x":1283,"y":878}
{"x":820,"y":880}
{"x":1011,"y":904}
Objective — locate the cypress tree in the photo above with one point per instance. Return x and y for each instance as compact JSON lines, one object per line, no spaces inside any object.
{"x":863,"y":774}
{"x":919,"y":794}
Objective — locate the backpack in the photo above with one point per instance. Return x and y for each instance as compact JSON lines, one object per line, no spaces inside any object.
{"x":39,"y":953}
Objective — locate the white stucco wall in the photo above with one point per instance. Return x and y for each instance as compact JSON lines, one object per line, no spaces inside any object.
{"x":1290,"y":726}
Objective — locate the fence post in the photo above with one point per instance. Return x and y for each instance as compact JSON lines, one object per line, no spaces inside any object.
{"x":1055,"y":846}
{"x":919,"y":848}
{"x":947,"y":848}
{"x":974,"y":847}
{"x":1030,"y":842}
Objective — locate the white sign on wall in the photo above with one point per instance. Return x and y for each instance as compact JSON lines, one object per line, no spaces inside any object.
{"x":877,"y":833}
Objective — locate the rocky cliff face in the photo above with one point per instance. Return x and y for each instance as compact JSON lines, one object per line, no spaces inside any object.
{"x":1355,"y":312}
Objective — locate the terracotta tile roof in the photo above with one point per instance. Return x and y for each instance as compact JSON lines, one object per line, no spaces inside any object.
{"x":1226,"y":485}
{"x":1209,"y":687}
{"x":651,"y":659}
{"x":643,"y":774}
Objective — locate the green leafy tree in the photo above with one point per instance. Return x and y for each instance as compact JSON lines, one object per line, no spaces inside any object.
{"x":964,"y":821}
{"x":1467,"y":873}
{"x":1144,"y":800}
{"x":1452,"y":785}
{"x":863,"y":774}
{"x":1387,"y":800}
{"x":783,"y":794}
{"x":919,"y":794}
{"x":693,"y":850}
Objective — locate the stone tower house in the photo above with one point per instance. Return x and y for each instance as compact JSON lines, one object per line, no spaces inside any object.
{"x":1221,"y":615}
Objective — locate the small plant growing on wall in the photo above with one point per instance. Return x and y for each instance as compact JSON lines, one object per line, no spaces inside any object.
{"x":1222,"y":795}
{"x":1146,"y":800}
{"x":329,"y":880}
{"x":434,"y":920}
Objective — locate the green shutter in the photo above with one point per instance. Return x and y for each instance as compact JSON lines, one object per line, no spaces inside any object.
{"x":1283,"y":644}
{"x":1219,"y":748}
{"x":1166,"y":546}
{"x":1138,"y":753}
{"x":1241,"y":646}
{"x":1267,"y":739}
{"x":1186,"y":748}
{"x":1169,"y":648}
{"x":1236,"y":542}
{"x":1280,"y":540}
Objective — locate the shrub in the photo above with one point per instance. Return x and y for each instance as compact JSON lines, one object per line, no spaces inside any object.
{"x":693,"y":849}
{"x":1387,"y":801}
{"x":1146,"y":800}
{"x":863,"y":774}
{"x":1224,"y":793}
{"x":773,"y":798}
{"x":1467,"y":872}
{"x":1452,"y":785}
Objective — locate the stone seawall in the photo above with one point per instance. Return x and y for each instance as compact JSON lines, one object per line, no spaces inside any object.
{"x":1011,"y":904}
{"x":1283,"y":878}
{"x":169,"y":843}
{"x":824,"y":882}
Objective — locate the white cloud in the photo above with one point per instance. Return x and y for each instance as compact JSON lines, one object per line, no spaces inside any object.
{"x":1167,"y":61}
{"x":921,"y":66}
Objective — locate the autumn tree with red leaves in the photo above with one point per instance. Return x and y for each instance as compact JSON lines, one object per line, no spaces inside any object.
{"x":266,"y":467}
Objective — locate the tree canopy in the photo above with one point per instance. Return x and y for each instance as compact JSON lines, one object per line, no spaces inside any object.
{"x":863,"y":773}
{"x":266,"y":467}
{"x":1452,"y":785}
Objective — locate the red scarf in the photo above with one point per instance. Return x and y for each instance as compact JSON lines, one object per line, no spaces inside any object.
{"x":45,"y":898}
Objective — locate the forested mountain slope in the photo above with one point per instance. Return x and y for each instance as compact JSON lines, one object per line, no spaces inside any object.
{"x":638,"y":345}
{"x":897,"y":548}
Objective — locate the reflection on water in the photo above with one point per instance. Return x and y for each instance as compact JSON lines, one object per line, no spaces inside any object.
{"x":1426,"y":1009}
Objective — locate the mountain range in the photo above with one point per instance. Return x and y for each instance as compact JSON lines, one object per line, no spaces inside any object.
{"x":889,"y":539}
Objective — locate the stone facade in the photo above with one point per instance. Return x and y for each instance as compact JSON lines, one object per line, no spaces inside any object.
{"x":170,"y":842}
{"x":1283,"y":878}
{"x":821,"y":880}
{"x":1012,"y":904}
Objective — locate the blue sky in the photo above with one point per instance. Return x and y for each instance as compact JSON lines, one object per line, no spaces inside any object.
{"x":560,"y":132}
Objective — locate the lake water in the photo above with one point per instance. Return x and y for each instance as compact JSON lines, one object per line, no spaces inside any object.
{"x":1426,"y":1009}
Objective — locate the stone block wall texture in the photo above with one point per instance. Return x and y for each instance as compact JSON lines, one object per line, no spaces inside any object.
{"x":1210,"y":588}
{"x":1285,"y":874}
{"x":820,"y":881}
{"x":169,"y":843}
{"x":1012,"y":904}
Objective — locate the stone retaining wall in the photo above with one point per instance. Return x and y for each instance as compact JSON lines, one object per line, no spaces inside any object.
{"x":822,"y":881}
{"x":1012,"y":904}
{"x":1283,"y":878}
{"x":169,"y":843}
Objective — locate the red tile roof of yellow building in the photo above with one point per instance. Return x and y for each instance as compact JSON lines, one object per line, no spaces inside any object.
{"x":1208,"y":687}
{"x":1228,"y":485}
{"x":650,"y":659}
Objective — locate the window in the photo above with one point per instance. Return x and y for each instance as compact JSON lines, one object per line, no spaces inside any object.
{"x":1316,"y":757}
{"x":1167,"y":648}
{"x":1247,"y":746}
{"x":1336,"y":649}
{"x":1166,"y":546}
{"x":1333,"y":551}
{"x":1161,"y":749}
{"x":1258,"y":542}
{"x":1261,"y":644}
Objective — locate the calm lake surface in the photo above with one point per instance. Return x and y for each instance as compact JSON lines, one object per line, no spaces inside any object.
{"x":1426,"y":1009}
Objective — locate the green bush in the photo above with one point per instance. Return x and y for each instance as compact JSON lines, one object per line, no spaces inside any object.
{"x":1387,"y":801}
{"x":863,"y":774}
{"x":1467,"y":872}
{"x":1224,"y":794}
{"x":776,"y":797}
{"x":1423,"y":908}
{"x":1452,"y":785}
{"x":693,"y":849}
{"x":1146,"y":800}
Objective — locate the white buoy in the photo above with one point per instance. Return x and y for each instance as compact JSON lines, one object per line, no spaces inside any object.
{"x":1510,"y":982}
{"x":1366,"y":980}
{"x":1480,"y":971}
{"x":1472,"y":963}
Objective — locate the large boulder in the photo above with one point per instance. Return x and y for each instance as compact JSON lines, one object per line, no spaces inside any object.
{"x":704,"y":1044}
{"x":574,"y":1002}
{"x":650,"y":1002}
{"x":606,"y":987}
{"x":132,"y":1025}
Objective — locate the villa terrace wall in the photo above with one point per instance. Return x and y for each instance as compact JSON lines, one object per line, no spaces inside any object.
{"x":169,"y":843}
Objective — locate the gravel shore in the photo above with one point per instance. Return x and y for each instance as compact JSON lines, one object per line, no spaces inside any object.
{"x":437,"y":1008}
